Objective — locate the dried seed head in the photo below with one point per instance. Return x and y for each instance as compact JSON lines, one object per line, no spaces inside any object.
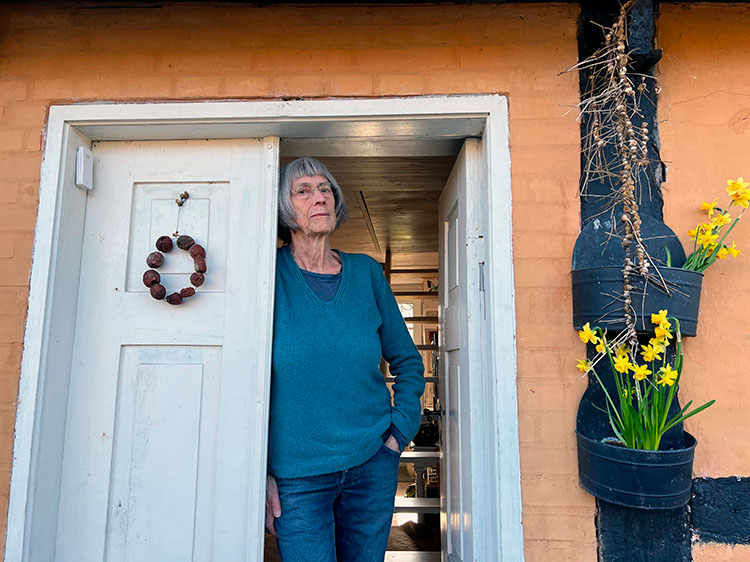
{"x":151,"y":277}
{"x":155,"y":260}
{"x":197,"y":250}
{"x":158,"y":291}
{"x":164,"y":243}
{"x":184,"y":242}
{"x":174,"y":298}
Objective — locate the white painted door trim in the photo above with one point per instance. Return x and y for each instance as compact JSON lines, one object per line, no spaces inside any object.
{"x":56,"y":262}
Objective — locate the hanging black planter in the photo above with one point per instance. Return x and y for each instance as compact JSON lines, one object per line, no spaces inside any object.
{"x":597,"y":298}
{"x":636,"y":478}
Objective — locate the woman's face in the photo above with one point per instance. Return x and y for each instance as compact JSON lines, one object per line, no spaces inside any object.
{"x":314,"y":206}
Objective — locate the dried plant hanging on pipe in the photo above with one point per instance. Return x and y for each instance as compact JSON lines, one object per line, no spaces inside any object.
{"x":615,"y":149}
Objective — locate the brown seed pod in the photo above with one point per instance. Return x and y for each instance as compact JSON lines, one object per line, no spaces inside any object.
{"x":184,"y":242}
{"x":164,"y":243}
{"x":187,"y":292}
{"x":158,"y":291}
{"x":151,"y":278}
{"x":196,"y":250}
{"x":174,"y":298}
{"x":200,"y":264}
{"x":197,"y":279}
{"x":155,"y":259}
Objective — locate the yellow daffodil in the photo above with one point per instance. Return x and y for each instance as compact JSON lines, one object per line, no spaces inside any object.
{"x":587,"y":334}
{"x":738,"y":191}
{"x":706,"y":238}
{"x":668,"y":375}
{"x":583,"y":365}
{"x":662,"y":333}
{"x":720,"y":219}
{"x":709,"y":206}
{"x":658,"y":343}
{"x":732,"y":250}
{"x":722,"y":254}
{"x":660,"y":318}
{"x":739,"y":183}
{"x":698,"y":230}
{"x":622,"y":364}
{"x":640,"y":372}
{"x":600,"y":347}
{"x":651,"y":352}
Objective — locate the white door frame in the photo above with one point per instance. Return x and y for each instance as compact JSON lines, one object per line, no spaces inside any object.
{"x":56,"y":263}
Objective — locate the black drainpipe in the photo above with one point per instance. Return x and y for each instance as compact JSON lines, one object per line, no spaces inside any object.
{"x":719,"y":510}
{"x":626,"y":534}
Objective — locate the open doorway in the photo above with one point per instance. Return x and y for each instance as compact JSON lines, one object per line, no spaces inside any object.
{"x":394,"y":218}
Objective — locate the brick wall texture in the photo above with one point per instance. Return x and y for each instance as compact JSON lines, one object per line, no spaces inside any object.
{"x":52,"y":55}
{"x":705,"y":134}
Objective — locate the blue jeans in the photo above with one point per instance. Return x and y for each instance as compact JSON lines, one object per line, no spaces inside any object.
{"x":343,"y":516}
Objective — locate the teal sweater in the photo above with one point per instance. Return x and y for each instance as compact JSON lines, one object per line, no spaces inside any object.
{"x":329,"y":402}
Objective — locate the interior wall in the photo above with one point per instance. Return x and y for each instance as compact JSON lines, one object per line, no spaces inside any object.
{"x":704,"y":113}
{"x":54,"y":55}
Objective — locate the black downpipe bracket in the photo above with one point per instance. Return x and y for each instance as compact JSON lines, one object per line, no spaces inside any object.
{"x":625,"y":534}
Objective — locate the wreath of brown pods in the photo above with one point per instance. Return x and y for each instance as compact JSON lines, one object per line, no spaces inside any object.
{"x":155,"y":260}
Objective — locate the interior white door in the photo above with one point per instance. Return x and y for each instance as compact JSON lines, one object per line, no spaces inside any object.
{"x":165,"y":447}
{"x":460,"y":313}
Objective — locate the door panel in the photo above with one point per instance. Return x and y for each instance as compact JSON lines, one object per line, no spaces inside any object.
{"x":204,"y":216}
{"x":165,"y":436}
{"x":460,"y":349}
{"x":167,"y":407}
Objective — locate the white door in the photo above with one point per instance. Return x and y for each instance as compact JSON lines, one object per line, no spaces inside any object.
{"x":164,"y":455}
{"x":460,"y":313}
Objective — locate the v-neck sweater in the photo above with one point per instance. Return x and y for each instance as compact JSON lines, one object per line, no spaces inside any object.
{"x":329,"y":401}
{"x":325,"y":285}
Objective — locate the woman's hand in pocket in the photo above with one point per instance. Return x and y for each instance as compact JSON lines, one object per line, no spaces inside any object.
{"x":273,"y":504}
{"x":392,"y":444}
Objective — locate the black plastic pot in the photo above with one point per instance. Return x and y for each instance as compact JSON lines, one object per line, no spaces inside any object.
{"x":597,"y":298}
{"x":635,"y":478}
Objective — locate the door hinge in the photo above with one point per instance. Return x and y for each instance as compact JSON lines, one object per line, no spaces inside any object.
{"x":481,"y":276}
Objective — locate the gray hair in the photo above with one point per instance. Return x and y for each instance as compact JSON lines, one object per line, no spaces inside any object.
{"x":289,"y":174}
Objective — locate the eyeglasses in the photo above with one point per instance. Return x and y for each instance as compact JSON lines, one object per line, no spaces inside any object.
{"x":305,"y":190}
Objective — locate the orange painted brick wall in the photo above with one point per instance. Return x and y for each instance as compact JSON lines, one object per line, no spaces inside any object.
{"x":705,"y":131}
{"x":50,"y":55}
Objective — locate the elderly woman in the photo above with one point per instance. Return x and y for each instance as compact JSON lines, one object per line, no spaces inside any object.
{"x":335,"y":438}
